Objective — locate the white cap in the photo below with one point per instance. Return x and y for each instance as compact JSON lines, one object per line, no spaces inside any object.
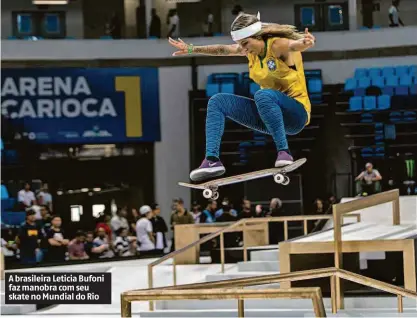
{"x":145,"y":209}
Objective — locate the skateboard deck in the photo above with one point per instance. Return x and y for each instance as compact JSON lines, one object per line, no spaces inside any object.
{"x":214,"y":184}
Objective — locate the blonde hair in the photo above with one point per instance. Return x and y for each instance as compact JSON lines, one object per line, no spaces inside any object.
{"x":268,"y":29}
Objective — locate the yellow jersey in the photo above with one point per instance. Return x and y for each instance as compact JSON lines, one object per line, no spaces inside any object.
{"x":273,"y":73}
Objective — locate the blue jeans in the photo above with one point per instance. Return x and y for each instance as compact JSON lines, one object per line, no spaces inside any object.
{"x":271,"y":112}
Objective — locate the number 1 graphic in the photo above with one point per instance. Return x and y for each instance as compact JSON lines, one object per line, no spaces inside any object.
{"x":130,"y":86}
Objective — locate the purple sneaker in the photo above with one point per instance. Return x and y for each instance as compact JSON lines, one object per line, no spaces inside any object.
{"x":283,"y":159}
{"x":208,"y":169}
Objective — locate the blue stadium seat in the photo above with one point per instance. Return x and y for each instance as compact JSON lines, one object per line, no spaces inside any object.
{"x":409,"y":115}
{"x":1,"y":144}
{"x":402,"y":90}
{"x":106,"y":37}
{"x":364,"y":82}
{"x":227,"y":88}
{"x":253,"y":88}
{"x":315,"y":90}
{"x":7,"y":204}
{"x":384,"y":102}
{"x":413,"y":70}
{"x":380,"y":151}
{"x":413,"y":89}
{"x":390,"y":132}
{"x":367,"y":152}
{"x":378,"y":81}
{"x":388,"y":71}
{"x":376,"y":27}
{"x":406,"y":80}
{"x":245,"y":144}
{"x":11,"y":37}
{"x":363,"y":28}
{"x":379,"y":126}
{"x":369,"y":103}
{"x":153,"y":37}
{"x":402,"y":70}
{"x":13,"y":218}
{"x":212,"y":89}
{"x":361,"y":72}
{"x":355,"y":103}
{"x":4,"y":192}
{"x":367,"y":118}
{"x":395,"y":116}
{"x":359,"y":92}
{"x":375,"y":71}
{"x":379,"y":137}
{"x":392,"y":81}
{"x":388,"y":90}
{"x":351,"y":84}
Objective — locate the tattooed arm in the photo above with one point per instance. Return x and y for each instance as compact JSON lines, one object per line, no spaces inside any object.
{"x":215,"y":49}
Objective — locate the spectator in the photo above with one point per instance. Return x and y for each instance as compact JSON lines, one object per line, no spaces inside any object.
{"x":155,"y":27}
{"x":237,"y":9}
{"x":196,"y":211}
{"x":76,"y":249}
{"x":393,"y":15}
{"x":115,"y":27}
{"x":132,"y":218}
{"x":159,"y":228}
{"x":276,"y":229}
{"x":8,"y":243}
{"x":124,"y":245}
{"x":28,"y":239}
{"x":44,"y":197}
{"x":102,"y":245}
{"x":247,"y":211}
{"x":119,"y":221}
{"x":275,"y":207}
{"x":220,"y":211}
{"x":208,"y":24}
{"x":368,"y":181}
{"x":174,"y":25}
{"x":259,"y":211}
{"x":230,"y":239}
{"x":57,"y":243}
{"x":26,"y":197}
{"x":45,"y":221}
{"x":179,"y":216}
{"x":88,"y":245}
{"x":318,"y":207}
{"x":104,"y":223}
{"x":208,"y":214}
{"x":144,"y":230}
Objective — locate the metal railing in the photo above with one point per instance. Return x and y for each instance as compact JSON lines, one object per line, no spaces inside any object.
{"x":217,"y":290}
{"x":235,"y":227}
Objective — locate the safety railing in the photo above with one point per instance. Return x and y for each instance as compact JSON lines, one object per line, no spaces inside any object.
{"x":215,"y":290}
{"x":238,"y":226}
{"x":341,"y":209}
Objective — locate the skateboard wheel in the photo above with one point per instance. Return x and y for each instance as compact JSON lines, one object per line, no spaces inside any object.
{"x":286,"y":181}
{"x":207,"y":193}
{"x":215,"y":196}
{"x":279,"y":178}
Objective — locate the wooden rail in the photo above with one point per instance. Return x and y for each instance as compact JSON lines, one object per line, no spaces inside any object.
{"x":215,"y":290}
{"x":314,"y":293}
{"x":341,"y":209}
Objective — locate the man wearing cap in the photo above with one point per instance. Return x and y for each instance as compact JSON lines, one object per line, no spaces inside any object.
{"x":368,"y":181}
{"x":28,"y":239}
{"x":144,"y":230}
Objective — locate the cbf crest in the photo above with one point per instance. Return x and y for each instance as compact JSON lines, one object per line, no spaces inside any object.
{"x":272,"y":66}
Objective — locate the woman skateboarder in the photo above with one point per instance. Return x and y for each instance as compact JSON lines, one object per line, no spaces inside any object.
{"x":280,"y":107}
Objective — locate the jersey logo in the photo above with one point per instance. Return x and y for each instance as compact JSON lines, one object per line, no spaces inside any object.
{"x":272,"y":66}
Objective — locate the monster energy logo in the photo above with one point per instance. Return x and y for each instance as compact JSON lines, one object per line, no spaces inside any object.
{"x":410,"y":167}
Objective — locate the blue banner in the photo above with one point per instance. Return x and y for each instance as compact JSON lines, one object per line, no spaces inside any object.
{"x":74,"y":105}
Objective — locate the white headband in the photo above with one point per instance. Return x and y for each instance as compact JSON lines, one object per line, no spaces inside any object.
{"x":247,"y":31}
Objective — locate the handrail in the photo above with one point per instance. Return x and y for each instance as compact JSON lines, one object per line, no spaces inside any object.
{"x":341,"y":209}
{"x":230,"y":228}
{"x":314,"y":293}
{"x":221,"y":286}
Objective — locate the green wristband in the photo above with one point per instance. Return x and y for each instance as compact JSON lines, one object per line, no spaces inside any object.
{"x":190,"y":49}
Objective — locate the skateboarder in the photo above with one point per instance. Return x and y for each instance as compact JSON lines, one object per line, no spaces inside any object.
{"x":280,"y":107}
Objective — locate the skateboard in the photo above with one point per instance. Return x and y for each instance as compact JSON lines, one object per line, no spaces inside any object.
{"x":210,"y":188}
